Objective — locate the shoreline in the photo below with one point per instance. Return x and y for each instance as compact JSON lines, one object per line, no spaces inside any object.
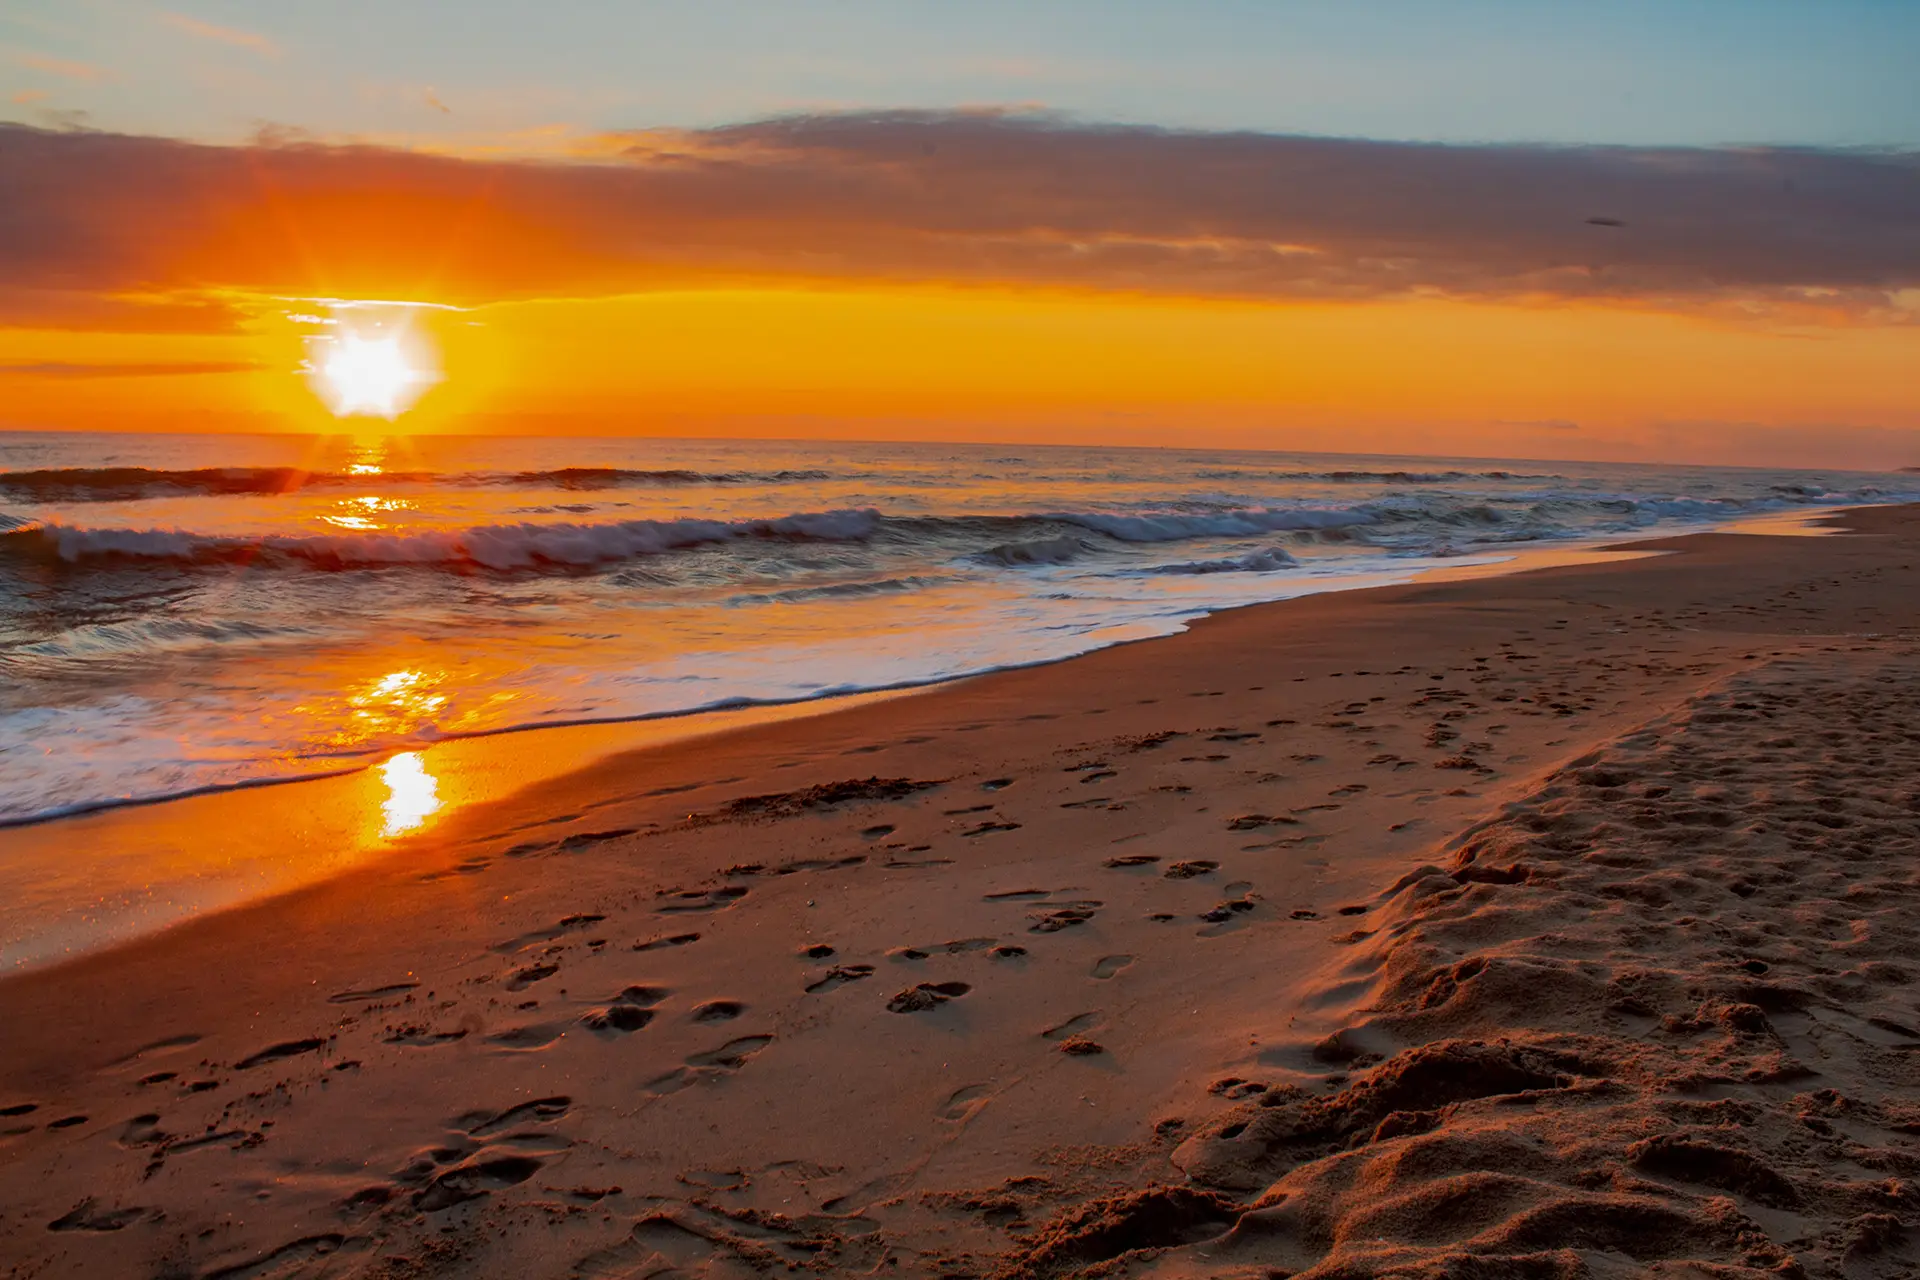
{"x":37,"y":840}
{"x":1495,"y":558}
{"x":1051,"y":935}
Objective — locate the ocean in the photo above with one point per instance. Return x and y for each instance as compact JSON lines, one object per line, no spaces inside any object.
{"x":187,"y":613}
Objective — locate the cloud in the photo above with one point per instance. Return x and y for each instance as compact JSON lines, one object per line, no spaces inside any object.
{"x":432,"y":99}
{"x":78,"y":310}
{"x":975,"y":198}
{"x":1537,"y":424}
{"x":27,"y":97}
{"x":239,"y":39}
{"x":65,"y":68}
{"x":148,"y":369}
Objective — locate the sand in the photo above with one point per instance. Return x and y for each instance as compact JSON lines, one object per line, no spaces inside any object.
{"x":1553,"y":925}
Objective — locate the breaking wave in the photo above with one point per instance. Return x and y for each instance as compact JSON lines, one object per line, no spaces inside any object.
{"x":1400,"y":524}
{"x":499,"y":547}
{"x":1266,"y":560}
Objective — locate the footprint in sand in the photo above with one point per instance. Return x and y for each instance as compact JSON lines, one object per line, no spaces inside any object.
{"x":482,"y":1124}
{"x":711,"y":1065}
{"x":927,"y":995}
{"x":839,"y":976}
{"x":963,"y":1102}
{"x":535,"y":1035}
{"x":1107,"y":966}
{"x":958,"y":946}
{"x":86,"y":1216}
{"x":1188,"y":870}
{"x":1067,"y":916}
{"x":676,"y":940}
{"x":521,"y":979}
{"x":1132,"y":860}
{"x":158,"y":1046}
{"x":473,"y":1180}
{"x":1073,"y":1026}
{"x":687,"y":900}
{"x":631,"y":1010}
{"x":732,"y":1055}
{"x":718,"y":1011}
{"x":560,"y":928}
{"x":387,"y":992}
{"x":286,"y":1049}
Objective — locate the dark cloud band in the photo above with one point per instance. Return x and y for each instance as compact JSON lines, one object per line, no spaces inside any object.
{"x":969,"y":197}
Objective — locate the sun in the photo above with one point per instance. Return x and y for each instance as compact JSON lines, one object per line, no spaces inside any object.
{"x":370,"y":375}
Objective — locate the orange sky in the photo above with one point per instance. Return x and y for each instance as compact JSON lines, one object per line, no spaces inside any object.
{"x":733,"y":294}
{"x":1426,"y":376}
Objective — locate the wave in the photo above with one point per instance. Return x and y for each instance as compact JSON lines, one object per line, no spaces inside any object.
{"x":1042,"y":538}
{"x":499,"y":547}
{"x":128,"y":484}
{"x":1266,"y":560}
{"x":1366,"y":477}
{"x":839,"y":591}
{"x":154,"y":635}
{"x":1039,"y":551}
{"x":1175,"y":527}
{"x":1402,"y":522}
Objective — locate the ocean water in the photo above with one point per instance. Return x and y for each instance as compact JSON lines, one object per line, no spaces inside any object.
{"x":184,"y":613}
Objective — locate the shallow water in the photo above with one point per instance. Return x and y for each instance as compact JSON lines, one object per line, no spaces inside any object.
{"x":179,"y":613}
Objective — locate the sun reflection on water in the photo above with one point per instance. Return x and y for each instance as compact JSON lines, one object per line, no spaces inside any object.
{"x":359,"y":513}
{"x":399,"y":700}
{"x":413,"y":794}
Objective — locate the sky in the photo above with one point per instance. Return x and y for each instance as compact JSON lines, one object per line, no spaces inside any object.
{"x":1680,"y":231}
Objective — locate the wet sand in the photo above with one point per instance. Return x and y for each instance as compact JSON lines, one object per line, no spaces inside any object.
{"x":1550,"y":925}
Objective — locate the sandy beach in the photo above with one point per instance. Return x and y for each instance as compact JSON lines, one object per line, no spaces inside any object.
{"x":1559,"y":924}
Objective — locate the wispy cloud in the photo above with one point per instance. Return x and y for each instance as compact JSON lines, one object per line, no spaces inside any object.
{"x":259,"y":44}
{"x":147,"y":369}
{"x":65,"y":68}
{"x":978,"y":198}
{"x":27,"y":97}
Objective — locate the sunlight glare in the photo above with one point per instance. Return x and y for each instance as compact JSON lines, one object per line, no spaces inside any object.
{"x":413,"y":794}
{"x":369,"y":375}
